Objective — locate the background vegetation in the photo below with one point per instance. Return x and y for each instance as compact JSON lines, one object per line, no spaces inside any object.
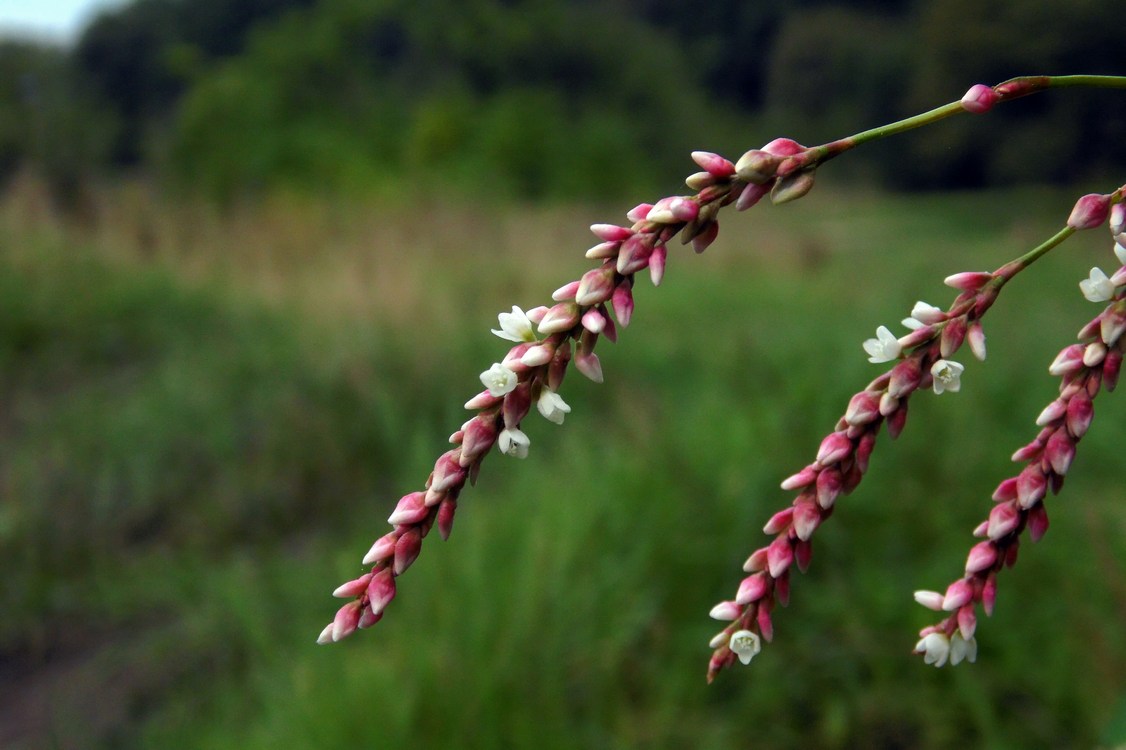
{"x":249,"y":256}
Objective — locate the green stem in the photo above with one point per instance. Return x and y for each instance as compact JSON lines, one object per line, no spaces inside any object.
{"x":1011,"y":89}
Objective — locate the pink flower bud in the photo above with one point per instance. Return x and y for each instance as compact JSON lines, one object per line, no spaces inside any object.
{"x":967,"y":622}
{"x":782,"y":589}
{"x":905,"y":378}
{"x":368,"y":618}
{"x":803,"y":554}
{"x":448,"y":471}
{"x":594,"y":321}
{"x":779,"y":521}
{"x":982,"y":556}
{"x":1028,"y":452}
{"x":699,"y":180}
{"x":751,"y":589}
{"x":979,"y":99}
{"x":751,"y":195}
{"x":352,"y":588}
{"x":406,"y":550}
{"x":1031,"y":486}
{"x":346,"y":620}
{"x":765,"y":624}
{"x":756,"y":561}
{"x":897,"y":420}
{"x":713,"y":163}
{"x":779,"y":555}
{"x":673,"y":210}
{"x":1037,"y":522}
{"x":601,"y":251}
{"x":410,"y":510}
{"x":516,"y":405}
{"x":807,"y":517}
{"x":1080,"y":412}
{"x":863,"y":408}
{"x":953,"y":334}
{"x":1112,"y":365}
{"x":989,"y":594}
{"x":634,"y":254}
{"x":639,"y":212}
{"x":1006,"y":491}
{"x":958,"y":593}
{"x":446,"y":517}
{"x":1093,"y":354}
{"x":381,"y":590}
{"x":725,"y":611}
{"x":539,"y":355}
{"x":968,"y":281}
{"x":834,"y":447}
{"x":657,"y":264}
{"x":622,"y":302}
{"x":596,"y":285}
{"x":706,"y":237}
{"x":482,"y":400}
{"x":1112,"y":324}
{"x":1011,"y":553}
{"x":1003,"y":520}
{"x":1090,"y":211}
{"x":1052,"y":412}
{"x":803,"y":478}
{"x":757,"y":166}
{"x":1060,"y":451}
{"x":589,"y":365}
{"x":567,"y":291}
{"x":535,"y":315}
{"x":383,"y":548}
{"x":611,"y":232}
{"x":1118,"y":218}
{"x":1069,"y":360}
{"x":930,"y":599}
{"x":783,"y":147}
{"x":563,"y":317}
{"x":864,"y":450}
{"x":829,"y":486}
{"x":976,"y":339}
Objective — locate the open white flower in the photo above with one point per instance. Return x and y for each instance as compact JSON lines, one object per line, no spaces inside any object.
{"x":552,"y":406}
{"x":513,"y":442}
{"x":884,"y":348}
{"x":745,"y":644}
{"x":515,"y":326}
{"x":960,"y":649}
{"x":947,"y":375}
{"x":1097,"y":287}
{"x":935,"y":649}
{"x":499,"y":380}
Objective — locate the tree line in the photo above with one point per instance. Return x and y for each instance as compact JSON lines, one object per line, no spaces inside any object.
{"x":547,"y":98}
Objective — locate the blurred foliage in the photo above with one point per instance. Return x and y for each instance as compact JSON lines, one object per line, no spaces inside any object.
{"x":562,"y":98}
{"x":188,"y":471}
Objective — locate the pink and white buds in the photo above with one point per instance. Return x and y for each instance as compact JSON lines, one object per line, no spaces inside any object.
{"x":757,"y":166}
{"x":410,"y":510}
{"x":968,"y":281}
{"x":983,"y":556}
{"x":562,"y":317}
{"x":753,"y":588}
{"x":958,"y":593}
{"x":381,"y":590}
{"x":407,"y":549}
{"x":352,"y":588}
{"x":725,"y":611}
{"x":979,"y":99}
{"x":611,"y":232}
{"x":1089,"y":211}
{"x":634,"y":254}
{"x":714,"y":164}
{"x":834,"y":447}
{"x":673,"y":210}
{"x":930,"y":599}
{"x":596,"y":285}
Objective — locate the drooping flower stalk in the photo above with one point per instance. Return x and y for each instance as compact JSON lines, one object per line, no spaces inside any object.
{"x":1084,"y":368}
{"x":921,"y":361}
{"x":548,"y":340}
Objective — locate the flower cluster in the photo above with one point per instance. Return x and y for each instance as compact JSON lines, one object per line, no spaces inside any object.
{"x":548,"y":339}
{"x":921,"y":361}
{"x":1084,"y":369}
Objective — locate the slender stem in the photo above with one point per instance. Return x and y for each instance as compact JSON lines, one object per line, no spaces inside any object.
{"x":1013,"y":88}
{"x":1013,"y":267}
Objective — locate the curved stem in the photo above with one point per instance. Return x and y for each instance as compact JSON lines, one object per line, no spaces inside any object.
{"x":1014,"y":88}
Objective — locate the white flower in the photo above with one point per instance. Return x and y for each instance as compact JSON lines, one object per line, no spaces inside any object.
{"x":912,"y":324}
{"x":1120,"y":253}
{"x":927,"y":314}
{"x":935,"y":649}
{"x":961,"y":649}
{"x":884,"y":348}
{"x":947,"y":376}
{"x":515,"y":326}
{"x":1097,"y":288}
{"x":513,"y":442}
{"x":499,"y":380}
{"x":745,"y":644}
{"x":552,"y":406}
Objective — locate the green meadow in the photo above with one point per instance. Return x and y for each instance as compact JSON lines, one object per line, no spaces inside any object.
{"x":206,"y":416}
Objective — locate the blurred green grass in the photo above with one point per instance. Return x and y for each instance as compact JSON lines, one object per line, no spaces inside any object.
{"x":208,"y":418}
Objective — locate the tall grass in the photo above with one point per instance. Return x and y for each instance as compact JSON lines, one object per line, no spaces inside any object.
{"x":209,"y":417}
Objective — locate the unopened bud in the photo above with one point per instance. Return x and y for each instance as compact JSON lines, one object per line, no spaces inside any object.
{"x":1090,"y":211}
{"x":979,"y":99}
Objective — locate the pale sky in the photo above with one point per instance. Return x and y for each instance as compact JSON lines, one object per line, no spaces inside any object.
{"x":58,"y":20}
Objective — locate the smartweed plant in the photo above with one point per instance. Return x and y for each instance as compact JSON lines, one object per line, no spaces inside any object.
{"x":548,"y":340}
